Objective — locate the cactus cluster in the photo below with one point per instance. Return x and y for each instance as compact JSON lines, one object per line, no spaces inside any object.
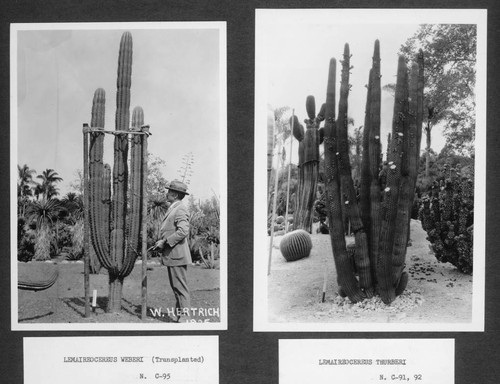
{"x":115,"y":213}
{"x":380,"y":221}
{"x":309,"y":142}
{"x":447,"y":215}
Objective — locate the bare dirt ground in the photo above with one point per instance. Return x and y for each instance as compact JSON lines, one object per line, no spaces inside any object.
{"x":436,"y":292}
{"x":64,"y":301}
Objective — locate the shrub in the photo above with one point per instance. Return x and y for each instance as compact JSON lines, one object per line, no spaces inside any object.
{"x":447,"y":215}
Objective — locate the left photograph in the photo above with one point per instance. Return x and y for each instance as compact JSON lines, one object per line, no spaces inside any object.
{"x":118,"y":176}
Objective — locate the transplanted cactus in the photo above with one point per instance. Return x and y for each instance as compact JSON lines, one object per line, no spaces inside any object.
{"x":114,"y":234}
{"x":381,"y":221}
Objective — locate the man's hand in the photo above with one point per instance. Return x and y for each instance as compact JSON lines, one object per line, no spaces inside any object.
{"x":159,"y":244}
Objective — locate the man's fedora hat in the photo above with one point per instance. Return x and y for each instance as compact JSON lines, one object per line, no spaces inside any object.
{"x":178,"y":186}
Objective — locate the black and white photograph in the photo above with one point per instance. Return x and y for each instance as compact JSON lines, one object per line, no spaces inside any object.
{"x":118,"y":153}
{"x":250,"y":192}
{"x":370,"y":137}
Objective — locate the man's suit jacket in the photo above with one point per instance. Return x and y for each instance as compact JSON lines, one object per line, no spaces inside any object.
{"x":174,"y":230}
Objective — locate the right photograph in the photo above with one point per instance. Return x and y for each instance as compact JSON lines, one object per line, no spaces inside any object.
{"x":370,"y":158}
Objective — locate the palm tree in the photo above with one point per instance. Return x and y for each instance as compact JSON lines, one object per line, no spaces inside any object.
{"x":25,"y":180}
{"x":38,"y":190}
{"x":73,"y":204}
{"x":24,"y":186}
{"x":49,"y":178}
{"x":43,"y":213}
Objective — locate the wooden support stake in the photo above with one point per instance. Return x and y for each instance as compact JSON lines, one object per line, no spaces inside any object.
{"x":273,"y":216}
{"x":144,"y":288}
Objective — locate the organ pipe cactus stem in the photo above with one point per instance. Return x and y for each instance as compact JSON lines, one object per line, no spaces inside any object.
{"x":345,"y":274}
{"x":364,"y":187}
{"x":120,"y":169}
{"x":114,"y":235}
{"x":136,"y":192}
{"x":390,"y":204}
{"x":374,"y":156}
{"x":409,"y":177}
{"x":99,"y":233}
{"x":420,"y":98}
{"x":309,"y":165}
{"x":362,"y":257}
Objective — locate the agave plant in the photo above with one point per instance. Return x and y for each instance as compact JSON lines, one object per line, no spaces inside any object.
{"x":43,"y":213}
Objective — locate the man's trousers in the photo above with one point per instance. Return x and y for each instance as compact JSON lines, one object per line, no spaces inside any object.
{"x":178,"y":281}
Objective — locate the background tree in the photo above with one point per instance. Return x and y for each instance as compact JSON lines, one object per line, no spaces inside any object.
{"x":73,"y":205}
{"x":24,"y":186}
{"x":282,"y":132}
{"x":77,"y":184}
{"x":49,"y":179}
{"x":450,"y":77}
{"x":156,"y":183}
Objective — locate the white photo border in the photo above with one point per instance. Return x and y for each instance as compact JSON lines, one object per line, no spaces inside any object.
{"x":222,"y":158}
{"x":355,"y":18}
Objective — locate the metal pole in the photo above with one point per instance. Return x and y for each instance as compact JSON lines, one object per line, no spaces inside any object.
{"x":289,"y":171}
{"x":273,"y":216}
{"x":144,"y":286}
{"x":270,"y":151}
{"x":86,"y":236}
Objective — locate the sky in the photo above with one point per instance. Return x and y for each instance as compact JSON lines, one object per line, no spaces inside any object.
{"x":294,"y":49}
{"x":178,"y":78}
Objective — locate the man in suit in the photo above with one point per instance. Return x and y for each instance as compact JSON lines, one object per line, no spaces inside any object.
{"x":175,"y":250}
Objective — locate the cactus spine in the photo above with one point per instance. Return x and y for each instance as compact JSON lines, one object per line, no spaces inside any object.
{"x":115,"y":236}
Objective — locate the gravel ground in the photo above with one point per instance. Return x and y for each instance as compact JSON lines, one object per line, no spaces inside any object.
{"x":436,"y":292}
{"x":64,"y":301}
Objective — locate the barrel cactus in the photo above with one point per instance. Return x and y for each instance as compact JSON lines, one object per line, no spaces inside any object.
{"x":296,"y":245}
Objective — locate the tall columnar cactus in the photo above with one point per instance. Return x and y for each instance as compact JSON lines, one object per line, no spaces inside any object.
{"x":347,"y":282}
{"x":115,"y":236}
{"x":309,"y":142}
{"x":397,"y":165}
{"x":96,"y":168}
{"x":385,"y":215}
{"x":348,"y":193}
{"x":120,"y":168}
{"x":373,"y":156}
